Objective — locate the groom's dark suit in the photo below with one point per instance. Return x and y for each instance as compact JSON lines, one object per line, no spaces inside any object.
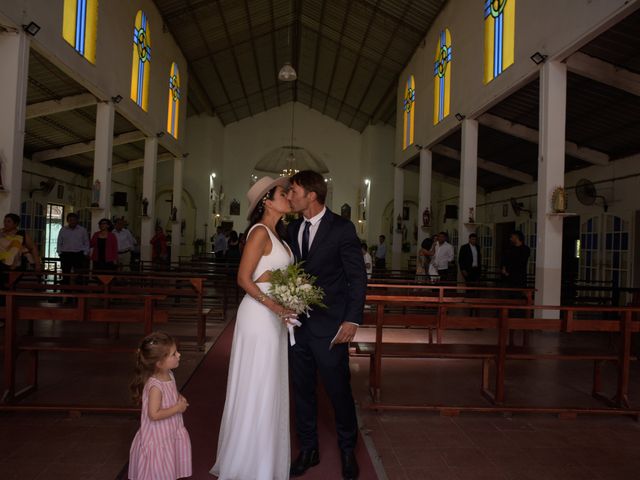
{"x":335,"y":258}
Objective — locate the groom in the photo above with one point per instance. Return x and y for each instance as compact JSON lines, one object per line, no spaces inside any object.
{"x":330,"y":249}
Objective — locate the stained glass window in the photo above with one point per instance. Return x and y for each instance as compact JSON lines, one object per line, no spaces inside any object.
{"x":141,"y":61}
{"x":80,"y":26}
{"x":408,"y":112}
{"x":499,"y":36}
{"x":442,"y":77}
{"x":174,"y":101}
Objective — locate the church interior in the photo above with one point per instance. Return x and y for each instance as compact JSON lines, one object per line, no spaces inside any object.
{"x":432,"y":122}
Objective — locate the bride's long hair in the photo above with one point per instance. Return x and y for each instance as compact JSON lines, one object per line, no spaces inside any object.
{"x":258,"y":212}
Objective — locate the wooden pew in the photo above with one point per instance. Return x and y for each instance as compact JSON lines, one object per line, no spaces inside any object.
{"x":90,"y":308}
{"x":176,"y":289}
{"x":498,"y":353}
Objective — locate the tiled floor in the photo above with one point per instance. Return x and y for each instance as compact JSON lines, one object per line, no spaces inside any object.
{"x":411,"y":446}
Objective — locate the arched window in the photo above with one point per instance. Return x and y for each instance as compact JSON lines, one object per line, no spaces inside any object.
{"x":408,"y":112}
{"x":141,"y":61}
{"x":499,"y":36}
{"x":442,"y":77}
{"x":174,"y":101}
{"x":80,"y":26}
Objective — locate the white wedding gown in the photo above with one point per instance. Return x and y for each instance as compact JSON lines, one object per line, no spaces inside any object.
{"x":254,"y":434}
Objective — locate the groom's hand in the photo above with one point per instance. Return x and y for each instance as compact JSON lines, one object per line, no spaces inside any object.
{"x":347,"y":332}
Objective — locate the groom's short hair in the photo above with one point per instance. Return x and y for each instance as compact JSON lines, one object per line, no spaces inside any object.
{"x":312,"y":182}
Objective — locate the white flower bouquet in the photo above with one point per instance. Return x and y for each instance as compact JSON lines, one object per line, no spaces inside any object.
{"x":295,"y":290}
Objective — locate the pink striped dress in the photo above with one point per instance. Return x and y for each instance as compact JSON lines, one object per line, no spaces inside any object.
{"x":161,"y":450}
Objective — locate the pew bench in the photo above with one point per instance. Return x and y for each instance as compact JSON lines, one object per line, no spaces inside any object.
{"x":89,"y":309}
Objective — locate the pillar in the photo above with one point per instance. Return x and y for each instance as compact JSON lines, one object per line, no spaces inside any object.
{"x":424,"y":192}
{"x":551,"y":151}
{"x":14,"y":57}
{"x":176,"y":236}
{"x":148,"y":222}
{"x":398,"y":203}
{"x":102,"y":161}
{"x":467,"y":213}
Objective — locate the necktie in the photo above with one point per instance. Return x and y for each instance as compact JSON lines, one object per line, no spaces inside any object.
{"x":305,"y":240}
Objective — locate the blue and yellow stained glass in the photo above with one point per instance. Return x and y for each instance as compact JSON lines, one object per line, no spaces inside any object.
{"x":499,"y":36}
{"x":174,"y":101}
{"x":408,"y":112}
{"x":80,"y":26}
{"x":442,"y":77}
{"x":141,"y":61}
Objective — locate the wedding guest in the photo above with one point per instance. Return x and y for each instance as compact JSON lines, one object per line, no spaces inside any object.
{"x":73,"y":247}
{"x":161,"y":449}
{"x":424,"y":257}
{"x":368,"y":262}
{"x":159,"y":249}
{"x":442,"y":255}
{"x":104,"y":247}
{"x":469,"y":260}
{"x":219,"y":243}
{"x":126,"y":243}
{"x":381,"y":253}
{"x":233,"y":247}
{"x":514,"y":261}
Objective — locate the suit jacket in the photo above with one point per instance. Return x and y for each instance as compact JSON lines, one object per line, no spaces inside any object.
{"x":335,"y":259}
{"x":465,"y":257}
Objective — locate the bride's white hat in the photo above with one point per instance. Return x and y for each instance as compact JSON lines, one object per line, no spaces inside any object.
{"x":261,"y":188}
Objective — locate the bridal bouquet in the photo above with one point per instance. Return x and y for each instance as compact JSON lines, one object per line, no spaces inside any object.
{"x":295,"y":290}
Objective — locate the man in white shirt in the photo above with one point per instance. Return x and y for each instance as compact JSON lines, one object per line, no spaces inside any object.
{"x":443,"y":255}
{"x":381,"y":253}
{"x":126,"y":243}
{"x":73,"y":247}
{"x":219,"y":243}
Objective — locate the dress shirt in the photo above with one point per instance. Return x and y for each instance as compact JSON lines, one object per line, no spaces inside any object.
{"x":381,"y":251}
{"x":73,"y":240}
{"x":474,"y":255}
{"x":443,"y":255}
{"x":126,"y":242}
{"x":315,"y":223}
{"x":219,"y":243}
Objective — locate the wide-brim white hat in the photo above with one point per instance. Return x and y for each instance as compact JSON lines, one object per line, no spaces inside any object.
{"x":259,"y":189}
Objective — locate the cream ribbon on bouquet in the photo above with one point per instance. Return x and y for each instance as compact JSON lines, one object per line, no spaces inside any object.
{"x":292,"y":322}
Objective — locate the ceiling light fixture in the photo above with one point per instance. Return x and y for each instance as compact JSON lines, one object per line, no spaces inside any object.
{"x":287,"y":73}
{"x":538,"y":58}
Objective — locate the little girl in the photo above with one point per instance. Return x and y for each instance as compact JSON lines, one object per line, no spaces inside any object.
{"x":161,"y":449}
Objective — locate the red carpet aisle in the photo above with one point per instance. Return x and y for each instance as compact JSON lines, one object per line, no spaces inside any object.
{"x":205,"y":392}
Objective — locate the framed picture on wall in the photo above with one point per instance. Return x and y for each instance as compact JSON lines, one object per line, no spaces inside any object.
{"x":60,"y":192}
{"x":505,"y":210}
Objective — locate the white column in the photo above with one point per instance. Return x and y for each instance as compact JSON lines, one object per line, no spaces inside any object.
{"x":398,"y":203}
{"x":148,"y":222}
{"x":551,"y":151}
{"x":176,"y":237}
{"x":14,"y":57}
{"x":467,"y":213}
{"x":424,"y":191}
{"x":102,"y":161}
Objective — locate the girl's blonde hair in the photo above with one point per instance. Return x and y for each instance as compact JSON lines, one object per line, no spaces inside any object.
{"x":153,"y":348}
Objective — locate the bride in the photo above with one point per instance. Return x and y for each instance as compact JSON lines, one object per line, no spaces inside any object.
{"x":254,"y":434}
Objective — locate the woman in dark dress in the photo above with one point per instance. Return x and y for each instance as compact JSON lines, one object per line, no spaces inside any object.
{"x":104,"y":247}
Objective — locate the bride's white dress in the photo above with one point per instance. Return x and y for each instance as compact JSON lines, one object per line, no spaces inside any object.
{"x":254,"y":434}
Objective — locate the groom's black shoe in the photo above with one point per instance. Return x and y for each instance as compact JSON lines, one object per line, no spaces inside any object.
{"x":306,"y":459}
{"x":350,"y":468}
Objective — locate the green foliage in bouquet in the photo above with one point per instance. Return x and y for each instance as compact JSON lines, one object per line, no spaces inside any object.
{"x":295,"y":289}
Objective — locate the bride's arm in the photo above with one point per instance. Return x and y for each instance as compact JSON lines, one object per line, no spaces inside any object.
{"x":258,"y":244}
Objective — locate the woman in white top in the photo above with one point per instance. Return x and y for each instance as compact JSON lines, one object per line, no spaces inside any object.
{"x":254,"y":434}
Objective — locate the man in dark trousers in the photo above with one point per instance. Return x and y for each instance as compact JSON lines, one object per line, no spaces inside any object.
{"x":514,"y":261}
{"x":329,"y":247}
{"x":469,"y":260}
